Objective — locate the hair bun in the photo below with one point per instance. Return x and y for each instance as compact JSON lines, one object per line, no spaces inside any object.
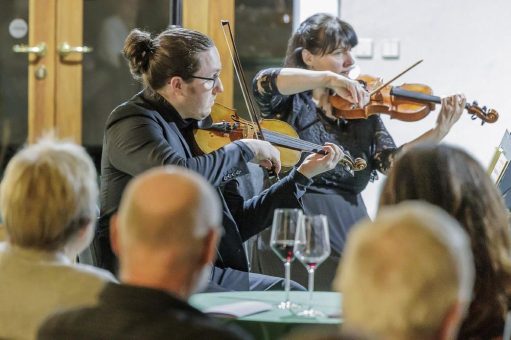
{"x":138,"y":50}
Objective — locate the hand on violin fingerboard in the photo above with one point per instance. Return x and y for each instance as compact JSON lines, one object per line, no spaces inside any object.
{"x":317,"y":163}
{"x":450,"y":112}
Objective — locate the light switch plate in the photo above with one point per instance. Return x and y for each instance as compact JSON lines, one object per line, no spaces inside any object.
{"x":364,"y":48}
{"x":390,"y":48}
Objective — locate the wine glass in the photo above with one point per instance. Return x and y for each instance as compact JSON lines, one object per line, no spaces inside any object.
{"x":312,"y":247}
{"x":282,"y":242}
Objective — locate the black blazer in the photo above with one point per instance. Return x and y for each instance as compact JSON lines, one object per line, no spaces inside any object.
{"x":130,"y":312}
{"x":146,"y":132}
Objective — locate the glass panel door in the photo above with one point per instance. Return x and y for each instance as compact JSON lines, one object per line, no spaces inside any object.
{"x":106,"y":78}
{"x":13,"y":79}
{"x":263,"y":28}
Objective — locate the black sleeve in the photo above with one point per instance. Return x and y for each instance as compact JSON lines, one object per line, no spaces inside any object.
{"x":271,"y":102}
{"x":385,"y":147}
{"x":255,"y":214}
{"x":138,"y":143}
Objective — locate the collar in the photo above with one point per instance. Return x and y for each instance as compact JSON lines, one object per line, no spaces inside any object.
{"x":32,"y":254}
{"x":166,"y":110}
{"x":138,"y":297}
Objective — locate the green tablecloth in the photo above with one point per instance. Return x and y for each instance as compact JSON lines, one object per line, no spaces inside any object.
{"x":276,"y":323}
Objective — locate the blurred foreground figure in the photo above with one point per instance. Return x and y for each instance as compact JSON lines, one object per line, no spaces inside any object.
{"x":165,"y":236}
{"x":407,"y":275}
{"x":450,"y":178}
{"x":48,"y":204}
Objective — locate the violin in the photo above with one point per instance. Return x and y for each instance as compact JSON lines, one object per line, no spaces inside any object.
{"x":407,"y":102}
{"x":224,"y":126}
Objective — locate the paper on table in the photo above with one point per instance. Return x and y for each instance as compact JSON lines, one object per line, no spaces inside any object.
{"x":238,"y":309}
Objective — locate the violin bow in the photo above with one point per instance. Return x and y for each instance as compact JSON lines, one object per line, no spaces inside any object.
{"x":249,"y":101}
{"x":396,"y":77}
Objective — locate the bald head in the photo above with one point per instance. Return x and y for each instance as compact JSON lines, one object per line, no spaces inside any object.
{"x":168,"y":206}
{"x":166,"y":230}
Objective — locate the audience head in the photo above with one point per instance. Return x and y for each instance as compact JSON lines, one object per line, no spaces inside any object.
{"x":167,"y":229}
{"x":320,"y":34}
{"x":48,"y":197}
{"x":451,"y":179}
{"x":407,"y":275}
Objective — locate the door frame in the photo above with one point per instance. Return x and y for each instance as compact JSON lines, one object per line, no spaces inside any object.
{"x":55,"y":102}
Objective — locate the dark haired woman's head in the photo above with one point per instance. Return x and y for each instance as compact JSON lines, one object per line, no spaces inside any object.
{"x":172,"y":53}
{"x":320,"y":34}
{"x":450,"y":178}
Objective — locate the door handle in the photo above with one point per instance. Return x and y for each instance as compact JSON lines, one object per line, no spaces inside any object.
{"x":65,"y":49}
{"x":39,"y":49}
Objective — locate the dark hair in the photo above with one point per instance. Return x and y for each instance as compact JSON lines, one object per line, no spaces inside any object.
{"x":451,"y":179}
{"x":320,"y":34}
{"x":172,"y":53}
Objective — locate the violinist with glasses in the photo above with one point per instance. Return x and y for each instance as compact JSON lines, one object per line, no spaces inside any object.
{"x":317,"y":64}
{"x":180,"y":70}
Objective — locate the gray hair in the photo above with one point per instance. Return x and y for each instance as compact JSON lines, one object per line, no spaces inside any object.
{"x":49,"y":192}
{"x":414,"y":259}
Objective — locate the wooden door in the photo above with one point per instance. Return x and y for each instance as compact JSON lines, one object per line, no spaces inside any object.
{"x":54,"y":79}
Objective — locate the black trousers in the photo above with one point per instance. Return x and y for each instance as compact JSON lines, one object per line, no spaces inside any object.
{"x":222,"y":279}
{"x":228,"y":279}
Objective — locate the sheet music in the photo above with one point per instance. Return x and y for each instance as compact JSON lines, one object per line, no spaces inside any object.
{"x":238,"y":309}
{"x":499,"y":165}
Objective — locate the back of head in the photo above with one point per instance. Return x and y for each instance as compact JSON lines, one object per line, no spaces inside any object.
{"x":48,"y":193}
{"x":402,"y":273}
{"x":168,"y":209}
{"x":172,"y":53}
{"x":450,"y":178}
{"x":320,"y":34}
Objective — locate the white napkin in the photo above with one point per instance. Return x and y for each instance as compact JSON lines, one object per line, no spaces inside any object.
{"x":238,"y":309}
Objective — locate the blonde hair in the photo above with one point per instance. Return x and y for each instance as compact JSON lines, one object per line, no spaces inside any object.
{"x":403,"y":272}
{"x":48,"y":193}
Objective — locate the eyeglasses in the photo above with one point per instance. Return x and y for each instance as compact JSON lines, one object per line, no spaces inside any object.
{"x":211,"y":82}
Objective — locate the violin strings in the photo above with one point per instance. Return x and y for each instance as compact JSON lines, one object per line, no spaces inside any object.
{"x":290,"y":141}
{"x":296,"y":143}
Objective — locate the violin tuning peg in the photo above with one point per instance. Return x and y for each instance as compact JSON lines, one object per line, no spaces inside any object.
{"x":475,"y":103}
{"x":349,"y":170}
{"x":484,"y":108}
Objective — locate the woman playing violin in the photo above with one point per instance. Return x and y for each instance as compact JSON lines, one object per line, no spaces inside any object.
{"x":317,"y":63}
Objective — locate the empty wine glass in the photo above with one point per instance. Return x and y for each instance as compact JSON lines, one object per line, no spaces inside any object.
{"x":312,"y":247}
{"x":282,"y":242}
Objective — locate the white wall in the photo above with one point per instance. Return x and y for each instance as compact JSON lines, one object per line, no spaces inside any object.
{"x":466,"y":47}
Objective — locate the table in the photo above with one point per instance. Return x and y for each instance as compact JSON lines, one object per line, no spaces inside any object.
{"x":277,"y":322}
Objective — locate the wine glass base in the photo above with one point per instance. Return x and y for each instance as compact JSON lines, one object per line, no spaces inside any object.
{"x":288,"y":305}
{"x":311,"y":313}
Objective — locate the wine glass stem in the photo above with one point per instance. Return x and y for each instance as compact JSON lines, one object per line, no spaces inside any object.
{"x":311,"y":285}
{"x":287,"y":279}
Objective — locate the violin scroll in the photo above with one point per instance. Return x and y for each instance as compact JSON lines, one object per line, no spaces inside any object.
{"x":349,"y":164}
{"x":359,"y":164}
{"x":486,"y":115}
